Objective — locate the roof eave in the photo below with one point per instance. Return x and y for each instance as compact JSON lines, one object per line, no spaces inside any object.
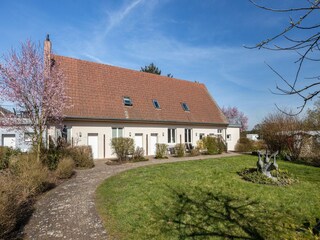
{"x":167,"y":122}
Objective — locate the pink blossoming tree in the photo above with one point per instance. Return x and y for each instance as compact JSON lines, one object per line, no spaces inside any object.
{"x":32,"y":81}
{"x":236,"y":117}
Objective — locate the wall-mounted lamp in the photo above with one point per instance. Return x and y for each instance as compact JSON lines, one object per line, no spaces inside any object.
{"x":129,"y":134}
{"x":80,"y":134}
{"x":162,"y":134}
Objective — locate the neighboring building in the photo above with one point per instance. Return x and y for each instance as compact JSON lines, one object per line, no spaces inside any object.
{"x":11,"y":137}
{"x":110,"y":102}
{"x":253,"y":136}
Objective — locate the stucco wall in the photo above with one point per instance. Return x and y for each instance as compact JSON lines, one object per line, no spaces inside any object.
{"x":235,"y":135}
{"x":80,"y":130}
{"x":19,"y":138}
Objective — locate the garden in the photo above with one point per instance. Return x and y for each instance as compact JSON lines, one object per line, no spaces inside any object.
{"x":23,"y":178}
{"x":209,"y":199}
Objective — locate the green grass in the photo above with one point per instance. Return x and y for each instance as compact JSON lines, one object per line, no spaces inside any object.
{"x":207,"y":199}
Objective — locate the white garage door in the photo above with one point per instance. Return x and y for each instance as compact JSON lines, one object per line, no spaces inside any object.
{"x":138,"y":140}
{"x":153,"y":142}
{"x":9,"y":140}
{"x":93,"y":142}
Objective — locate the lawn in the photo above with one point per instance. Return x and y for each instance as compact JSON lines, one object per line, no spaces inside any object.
{"x":207,"y":199}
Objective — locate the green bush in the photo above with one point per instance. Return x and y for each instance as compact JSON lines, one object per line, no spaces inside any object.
{"x":180,"y":150}
{"x":244,"y":145}
{"x":81,"y":155}
{"x":138,"y":155}
{"x":161,"y":150}
{"x":65,"y":168}
{"x":213,"y":145}
{"x":5,"y":154}
{"x":51,"y":157}
{"x":122,"y":147}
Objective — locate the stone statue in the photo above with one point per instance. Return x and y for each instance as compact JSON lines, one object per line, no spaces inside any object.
{"x":265,"y":164}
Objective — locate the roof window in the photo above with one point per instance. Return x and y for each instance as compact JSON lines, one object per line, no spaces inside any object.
{"x":156,"y":103}
{"x":185,"y":107}
{"x":127,"y":101}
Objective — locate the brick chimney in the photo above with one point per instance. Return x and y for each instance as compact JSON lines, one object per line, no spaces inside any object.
{"x":47,"y":48}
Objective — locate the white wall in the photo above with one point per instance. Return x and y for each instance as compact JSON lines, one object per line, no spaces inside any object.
{"x":234,"y":133}
{"x":79,"y":132}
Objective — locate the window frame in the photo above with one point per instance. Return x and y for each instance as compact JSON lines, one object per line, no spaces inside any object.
{"x":185,"y":107}
{"x":117,"y":132}
{"x":188,"y":135}
{"x":156,"y":104}
{"x":172,"y":136}
{"x":127,"y":101}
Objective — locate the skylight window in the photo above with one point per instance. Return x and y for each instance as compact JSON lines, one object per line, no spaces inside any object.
{"x":127,"y":101}
{"x":185,"y":107}
{"x":156,"y":103}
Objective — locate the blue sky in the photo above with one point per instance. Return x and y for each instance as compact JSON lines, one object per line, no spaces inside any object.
{"x":196,"y":40}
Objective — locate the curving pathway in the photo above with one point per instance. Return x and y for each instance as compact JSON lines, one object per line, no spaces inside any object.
{"x":68,"y":211}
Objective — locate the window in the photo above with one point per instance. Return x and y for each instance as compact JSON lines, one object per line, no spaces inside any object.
{"x":117,"y":132}
{"x":127,"y":101}
{"x":28,"y":136}
{"x":228,"y":137}
{"x":201,"y":135}
{"x":219,"y":131}
{"x":185,"y":107}
{"x":187,"y":135}
{"x":156,"y":103}
{"x":171,"y":135}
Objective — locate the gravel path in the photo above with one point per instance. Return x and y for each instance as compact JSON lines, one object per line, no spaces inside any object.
{"x":68,"y":211}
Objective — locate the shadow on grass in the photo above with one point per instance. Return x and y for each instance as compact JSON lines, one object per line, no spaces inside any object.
{"x":201,"y":214}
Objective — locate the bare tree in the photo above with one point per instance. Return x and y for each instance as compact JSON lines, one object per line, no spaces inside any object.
{"x":301,"y":36}
{"x":31,"y":80}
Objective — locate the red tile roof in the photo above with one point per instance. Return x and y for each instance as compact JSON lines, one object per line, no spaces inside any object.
{"x":97,"y":92}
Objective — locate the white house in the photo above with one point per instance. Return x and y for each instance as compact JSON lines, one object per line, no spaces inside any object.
{"x":11,"y":137}
{"x":109,"y":101}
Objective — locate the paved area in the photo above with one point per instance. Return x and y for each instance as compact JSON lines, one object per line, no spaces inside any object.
{"x":68,"y":211}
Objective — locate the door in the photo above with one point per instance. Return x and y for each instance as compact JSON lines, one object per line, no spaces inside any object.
{"x":138,"y":140}
{"x":9,"y":140}
{"x":153,"y":142}
{"x":93,"y":142}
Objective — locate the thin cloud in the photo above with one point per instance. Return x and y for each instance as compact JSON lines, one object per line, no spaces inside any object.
{"x":115,"y":18}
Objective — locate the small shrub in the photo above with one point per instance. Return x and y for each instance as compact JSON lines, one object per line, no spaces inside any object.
{"x":200,"y":145}
{"x":81,"y":155}
{"x":50,"y":158}
{"x":258,"y":145}
{"x":29,"y":173}
{"x":65,"y":168}
{"x":122,"y":147}
{"x":212,"y":145}
{"x":180,"y":150}
{"x":244,"y":145}
{"x":195,"y":152}
{"x":161,"y":150}
{"x":5,"y":154}
{"x":138,"y":155}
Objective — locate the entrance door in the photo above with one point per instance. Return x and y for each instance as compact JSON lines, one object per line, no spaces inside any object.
{"x":93,"y":142}
{"x":9,"y":140}
{"x":138,"y":140}
{"x":153,"y":142}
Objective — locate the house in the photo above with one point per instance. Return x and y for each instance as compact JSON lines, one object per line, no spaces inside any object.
{"x":109,"y":101}
{"x":12,"y":137}
{"x":253,"y":136}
